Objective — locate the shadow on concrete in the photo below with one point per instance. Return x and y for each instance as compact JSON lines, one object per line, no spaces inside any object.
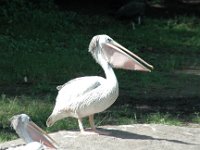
{"x":128,"y":135}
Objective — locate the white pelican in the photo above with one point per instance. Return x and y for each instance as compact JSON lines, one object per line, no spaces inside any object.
{"x":88,"y":95}
{"x":33,"y":135}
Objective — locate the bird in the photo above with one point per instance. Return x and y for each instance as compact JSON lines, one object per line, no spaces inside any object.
{"x":34,"y":136}
{"x":85,"y":96}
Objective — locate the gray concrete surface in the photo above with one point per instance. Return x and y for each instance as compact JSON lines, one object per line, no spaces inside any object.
{"x":127,"y":137}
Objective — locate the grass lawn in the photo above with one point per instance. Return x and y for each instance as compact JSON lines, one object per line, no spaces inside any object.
{"x":50,"y":47}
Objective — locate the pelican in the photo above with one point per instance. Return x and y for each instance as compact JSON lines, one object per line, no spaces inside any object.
{"x":33,"y":135}
{"x":86,"y":96}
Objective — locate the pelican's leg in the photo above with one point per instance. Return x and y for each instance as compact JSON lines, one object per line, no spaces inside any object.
{"x":82,"y":129}
{"x":91,"y":120}
{"x":81,"y":125}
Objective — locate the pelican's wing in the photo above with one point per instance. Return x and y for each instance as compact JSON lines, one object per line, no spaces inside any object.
{"x":76,"y":87}
{"x":59,"y":87}
{"x":92,"y":81}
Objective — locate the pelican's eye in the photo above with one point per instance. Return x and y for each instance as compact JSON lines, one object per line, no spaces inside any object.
{"x":109,"y":40}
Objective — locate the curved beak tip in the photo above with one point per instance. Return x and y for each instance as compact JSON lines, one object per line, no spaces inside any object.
{"x":152,"y":67}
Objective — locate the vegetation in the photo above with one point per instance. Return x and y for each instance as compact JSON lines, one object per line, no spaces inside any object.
{"x":49,"y":47}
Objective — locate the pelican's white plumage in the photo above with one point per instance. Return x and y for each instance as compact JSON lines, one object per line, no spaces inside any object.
{"x":80,"y":98}
{"x":86,"y":96}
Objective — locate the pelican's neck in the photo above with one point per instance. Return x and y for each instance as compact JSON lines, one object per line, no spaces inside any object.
{"x":24,"y":135}
{"x":109,"y":73}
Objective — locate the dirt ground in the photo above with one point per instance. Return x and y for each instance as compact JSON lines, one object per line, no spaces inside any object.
{"x":127,"y":137}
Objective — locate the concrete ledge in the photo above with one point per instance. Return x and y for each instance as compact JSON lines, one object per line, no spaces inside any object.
{"x":127,"y":137}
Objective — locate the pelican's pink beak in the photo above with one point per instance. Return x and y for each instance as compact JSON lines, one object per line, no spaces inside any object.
{"x":37,"y":134}
{"x":120,"y":57}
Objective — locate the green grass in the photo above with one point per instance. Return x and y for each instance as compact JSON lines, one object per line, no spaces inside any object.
{"x":50,"y":47}
{"x":40,"y":108}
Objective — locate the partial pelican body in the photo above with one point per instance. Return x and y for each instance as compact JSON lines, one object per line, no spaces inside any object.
{"x":86,"y":96}
{"x":33,"y":135}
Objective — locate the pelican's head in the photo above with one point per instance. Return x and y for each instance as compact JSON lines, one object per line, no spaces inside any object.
{"x":19,"y":121}
{"x":30,"y":132}
{"x":55,"y":116}
{"x":116,"y":55}
{"x":50,"y":121}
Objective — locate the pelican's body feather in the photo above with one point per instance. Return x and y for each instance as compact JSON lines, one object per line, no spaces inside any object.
{"x":85,"y":96}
